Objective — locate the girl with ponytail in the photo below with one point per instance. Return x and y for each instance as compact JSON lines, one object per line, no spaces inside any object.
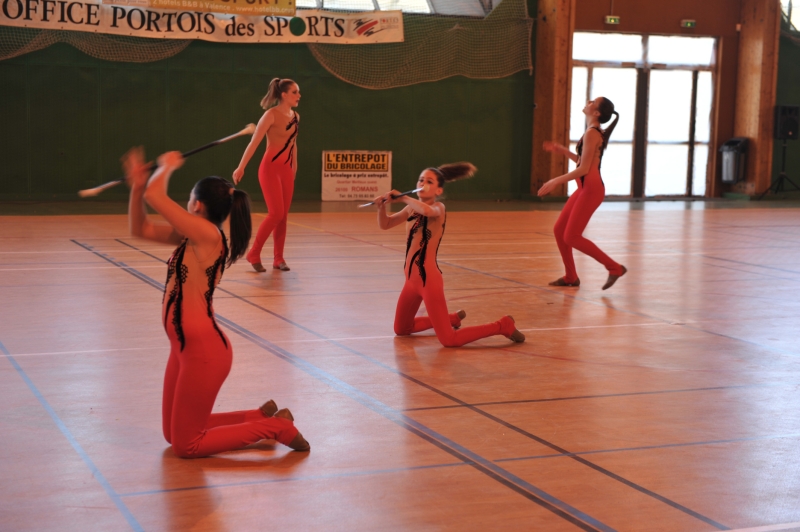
{"x":589,"y":195}
{"x":279,"y":125}
{"x":200,"y":353}
{"x":425,"y":221}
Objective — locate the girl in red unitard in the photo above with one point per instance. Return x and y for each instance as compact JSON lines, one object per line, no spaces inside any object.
{"x":279,"y":125}
{"x":200,"y":353}
{"x":425,"y":221}
{"x":587,"y":198}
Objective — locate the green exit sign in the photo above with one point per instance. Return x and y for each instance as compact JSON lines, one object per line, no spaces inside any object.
{"x":612,"y":19}
{"x":688,"y":23}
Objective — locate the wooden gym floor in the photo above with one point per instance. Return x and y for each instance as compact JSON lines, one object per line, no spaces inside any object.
{"x":669,"y":402}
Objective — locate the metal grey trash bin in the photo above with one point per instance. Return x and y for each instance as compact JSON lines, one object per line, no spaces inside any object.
{"x":733,"y":153}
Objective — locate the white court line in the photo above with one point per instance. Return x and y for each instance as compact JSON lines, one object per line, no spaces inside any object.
{"x":365,"y":244}
{"x":83,"y":351}
{"x":317,"y":340}
{"x":63,"y":268}
{"x":604,"y":326}
{"x":769,"y":528}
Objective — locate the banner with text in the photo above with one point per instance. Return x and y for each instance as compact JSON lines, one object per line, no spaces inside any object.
{"x":283,"y":8}
{"x":186,"y":20}
{"x":355,"y":175}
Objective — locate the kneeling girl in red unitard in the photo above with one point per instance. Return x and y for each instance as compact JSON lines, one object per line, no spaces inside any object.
{"x":425,"y":221}
{"x":200,"y":353}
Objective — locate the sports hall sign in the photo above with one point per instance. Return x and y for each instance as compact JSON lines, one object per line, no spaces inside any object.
{"x":236,"y":21}
{"x":355,"y":175}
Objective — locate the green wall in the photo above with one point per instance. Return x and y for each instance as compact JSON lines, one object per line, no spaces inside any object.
{"x":788,"y":94}
{"x":67,"y":118}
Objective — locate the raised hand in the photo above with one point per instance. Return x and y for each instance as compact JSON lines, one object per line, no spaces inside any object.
{"x":172,"y":160}
{"x":136,"y":169}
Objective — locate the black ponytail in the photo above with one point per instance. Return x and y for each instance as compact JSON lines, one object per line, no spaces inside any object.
{"x":453,"y":172}
{"x":221,"y":199}
{"x":606,"y":109}
{"x":240,"y":225}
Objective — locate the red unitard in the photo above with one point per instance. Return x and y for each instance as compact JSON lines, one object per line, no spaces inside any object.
{"x":276,"y":177}
{"x":575,"y":217}
{"x":424,"y":283}
{"x":199,"y":361}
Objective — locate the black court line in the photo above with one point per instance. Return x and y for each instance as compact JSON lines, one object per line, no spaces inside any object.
{"x":634,"y":313}
{"x":653,"y":447}
{"x":752,"y":265}
{"x":294,"y":479}
{"x":464,"y":404}
{"x":599,"y":396}
{"x":99,"y":477}
{"x":483,"y":465}
{"x":755,"y":237}
{"x":761,"y":274}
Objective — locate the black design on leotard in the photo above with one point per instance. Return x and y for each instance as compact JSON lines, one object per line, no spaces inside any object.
{"x":579,"y":150}
{"x":290,"y":141}
{"x":176,"y":267}
{"x":421,"y":222}
{"x":214,"y":275}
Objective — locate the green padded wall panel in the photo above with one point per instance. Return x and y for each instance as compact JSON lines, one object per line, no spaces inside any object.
{"x":67,"y":119}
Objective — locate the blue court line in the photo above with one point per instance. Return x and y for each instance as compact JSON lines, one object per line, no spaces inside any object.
{"x":134,"y":524}
{"x":485,"y":466}
{"x":478,"y":411}
{"x":293,"y":479}
{"x":652,"y":447}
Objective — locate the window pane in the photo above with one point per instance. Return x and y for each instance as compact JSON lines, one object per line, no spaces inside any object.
{"x":680,"y":50}
{"x":577,"y":119}
{"x":307,"y":4}
{"x":666,"y":170}
{"x":670,"y":106}
{"x":619,"y":86}
{"x":617,"y":169}
{"x":795,"y":11}
{"x":705,"y":95}
{"x":465,"y":8}
{"x":349,"y":5}
{"x":606,"y":47}
{"x":700,"y":169}
{"x":407,"y":6}
{"x":572,"y":186}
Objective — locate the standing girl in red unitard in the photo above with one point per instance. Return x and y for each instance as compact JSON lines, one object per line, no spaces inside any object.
{"x":587,"y":198}
{"x":200,"y":353}
{"x":425,"y":221}
{"x":279,"y":125}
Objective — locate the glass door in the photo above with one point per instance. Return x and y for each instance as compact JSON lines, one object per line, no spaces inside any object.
{"x":662,"y":87}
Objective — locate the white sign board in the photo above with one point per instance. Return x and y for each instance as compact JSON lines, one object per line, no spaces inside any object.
{"x":355,"y":174}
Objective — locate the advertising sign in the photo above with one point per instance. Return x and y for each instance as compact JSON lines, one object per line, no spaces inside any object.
{"x":355,"y":175}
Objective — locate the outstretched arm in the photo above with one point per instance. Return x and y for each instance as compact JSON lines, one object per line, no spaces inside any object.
{"x":555,"y":147}
{"x":431,"y":211}
{"x":263,"y":125}
{"x":591,"y":141}
{"x":136,"y":174}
